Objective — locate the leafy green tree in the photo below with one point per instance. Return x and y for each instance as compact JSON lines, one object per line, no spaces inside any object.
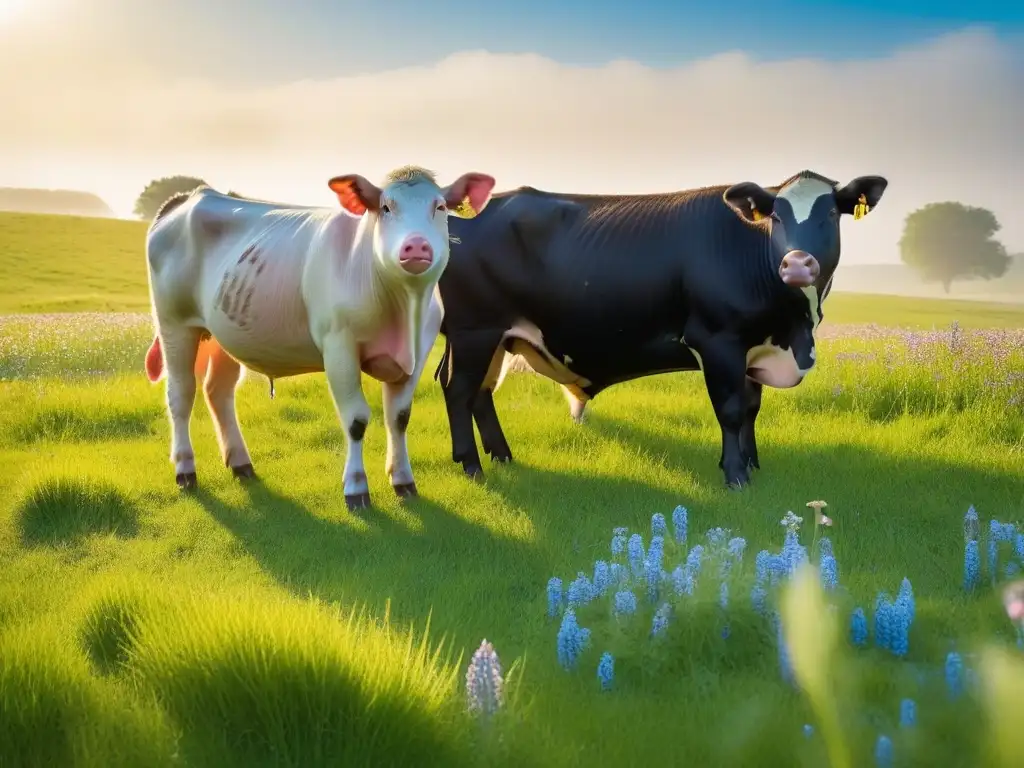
{"x":157,"y":191}
{"x":949,"y":241}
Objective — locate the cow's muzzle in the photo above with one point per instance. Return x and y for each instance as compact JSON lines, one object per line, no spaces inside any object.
{"x":416,"y":255}
{"x":799,"y":269}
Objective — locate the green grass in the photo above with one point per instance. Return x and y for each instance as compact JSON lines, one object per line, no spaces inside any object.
{"x":152,"y":628}
{"x":266,"y":625}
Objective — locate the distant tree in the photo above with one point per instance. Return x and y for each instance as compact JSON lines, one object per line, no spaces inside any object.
{"x":948,"y":241}
{"x":157,"y":191}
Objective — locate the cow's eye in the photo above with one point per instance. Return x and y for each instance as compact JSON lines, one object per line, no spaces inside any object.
{"x":441,"y":207}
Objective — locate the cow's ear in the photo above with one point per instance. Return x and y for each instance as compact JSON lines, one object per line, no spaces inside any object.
{"x":751,"y":201}
{"x":860,"y":195}
{"x":356,"y":194}
{"x":468,"y":194}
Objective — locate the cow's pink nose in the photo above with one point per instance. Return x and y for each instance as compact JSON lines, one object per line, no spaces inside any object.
{"x":799,"y":269}
{"x":417,"y":255}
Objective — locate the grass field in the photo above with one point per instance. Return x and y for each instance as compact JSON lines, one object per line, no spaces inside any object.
{"x":142,"y":627}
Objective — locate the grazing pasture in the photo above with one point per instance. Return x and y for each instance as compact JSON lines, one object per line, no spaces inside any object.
{"x":266,"y":625}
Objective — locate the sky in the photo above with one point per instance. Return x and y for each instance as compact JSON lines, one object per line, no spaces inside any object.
{"x":272,"y":98}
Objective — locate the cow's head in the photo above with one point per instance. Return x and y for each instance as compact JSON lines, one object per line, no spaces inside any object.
{"x":802,"y":215}
{"x":410,"y":215}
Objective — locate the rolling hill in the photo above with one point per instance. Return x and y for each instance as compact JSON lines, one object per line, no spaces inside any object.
{"x":63,"y":201}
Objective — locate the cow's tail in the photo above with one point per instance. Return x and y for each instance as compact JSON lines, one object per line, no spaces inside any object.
{"x":155,"y":358}
{"x":444,"y":362}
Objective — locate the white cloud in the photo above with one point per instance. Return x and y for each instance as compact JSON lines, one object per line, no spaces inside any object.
{"x":941,"y":121}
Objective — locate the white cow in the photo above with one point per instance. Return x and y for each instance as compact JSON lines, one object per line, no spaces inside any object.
{"x":286,"y":290}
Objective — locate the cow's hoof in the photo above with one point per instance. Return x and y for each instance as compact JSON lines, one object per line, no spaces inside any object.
{"x":244,"y":472}
{"x":357,"y":500}
{"x":474,"y":472}
{"x":186,"y":481}
{"x":406,"y":490}
{"x":501,"y":458}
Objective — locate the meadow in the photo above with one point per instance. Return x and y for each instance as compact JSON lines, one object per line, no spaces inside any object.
{"x":264,"y":624}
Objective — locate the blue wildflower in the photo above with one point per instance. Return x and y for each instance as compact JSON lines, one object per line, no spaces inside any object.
{"x":618,"y":575}
{"x":1011,"y":569}
{"x":972,"y":565}
{"x":716,"y":537}
{"x":908,"y":713}
{"x":682,"y":581}
{"x":484,"y":681}
{"x":602,"y":577}
{"x":777,"y":569}
{"x":859,"y":627}
{"x":658,"y":526}
{"x":758,"y":598}
{"x":762,"y":562}
{"x":829,"y":572}
{"x":785,"y":666}
{"x":571,"y":640}
{"x":723,"y":595}
{"x":680,"y":524}
{"x":653,"y":567}
{"x":693,"y":560}
{"x":905,"y":598}
{"x":606,"y":671}
{"x":618,"y":545}
{"x":971,"y":525}
{"x":883,"y":752}
{"x":625,"y":603}
{"x":954,"y":674}
{"x":635,"y":553}
{"x":581,"y":591}
{"x":883,"y":622}
{"x":660,"y":619}
{"x":554,"y":595}
{"x":825,"y":547}
{"x":1018,"y":545}
{"x":808,"y":730}
{"x":899,"y":638}
{"x":793,"y":552}
{"x":737,"y":546}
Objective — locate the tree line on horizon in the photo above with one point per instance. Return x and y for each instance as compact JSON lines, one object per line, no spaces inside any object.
{"x":942,"y":242}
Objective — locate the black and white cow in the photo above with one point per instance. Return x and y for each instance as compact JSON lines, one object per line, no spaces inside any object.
{"x":593,"y":290}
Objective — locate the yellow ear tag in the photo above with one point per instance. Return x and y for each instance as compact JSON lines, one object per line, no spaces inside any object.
{"x":757,"y":214}
{"x":860,"y":210}
{"x":465,"y":210}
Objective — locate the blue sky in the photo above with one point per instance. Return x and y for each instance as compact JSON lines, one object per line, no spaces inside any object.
{"x":278,"y":40}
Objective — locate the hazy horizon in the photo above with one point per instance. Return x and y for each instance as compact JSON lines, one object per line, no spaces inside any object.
{"x":938,"y":113}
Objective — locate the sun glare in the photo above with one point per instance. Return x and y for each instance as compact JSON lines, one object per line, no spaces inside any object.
{"x":11,"y":9}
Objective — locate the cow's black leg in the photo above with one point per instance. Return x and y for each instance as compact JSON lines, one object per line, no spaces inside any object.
{"x":491,"y":435}
{"x":748,"y":442}
{"x":724,"y":377}
{"x":470,"y":357}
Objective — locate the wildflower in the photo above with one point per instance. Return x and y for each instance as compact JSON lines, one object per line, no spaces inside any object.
{"x":762,"y":563}
{"x":680,"y":524}
{"x":859,"y":627}
{"x":908,"y":713}
{"x":905,"y":597}
{"x":825,"y":546}
{"x":602,"y":577}
{"x":883,"y":752}
{"x":883,"y":622}
{"x":606,"y":671}
{"x":792,"y":522}
{"x":785,"y":665}
{"x":793,"y":553}
{"x":972,"y":565}
{"x":829,"y":572}
{"x":635,"y":553}
{"x":581,"y":591}
{"x":653,"y":567}
{"x":758,"y":598}
{"x":660,"y":619}
{"x":658,"y":526}
{"x":625,"y":603}
{"x":737,"y":546}
{"x":971,"y":524}
{"x":682,"y":581}
{"x":618,"y":543}
{"x":954,"y":674}
{"x":1018,"y":546}
{"x":618,"y":575}
{"x":717,"y":537}
{"x":554,"y":595}
{"x":993,"y":557}
{"x":693,"y":560}
{"x":484,"y":681}
{"x":571,"y":640}
{"x":723,"y":595}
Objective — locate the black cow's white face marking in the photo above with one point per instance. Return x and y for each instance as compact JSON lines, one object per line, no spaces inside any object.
{"x":806,"y":195}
